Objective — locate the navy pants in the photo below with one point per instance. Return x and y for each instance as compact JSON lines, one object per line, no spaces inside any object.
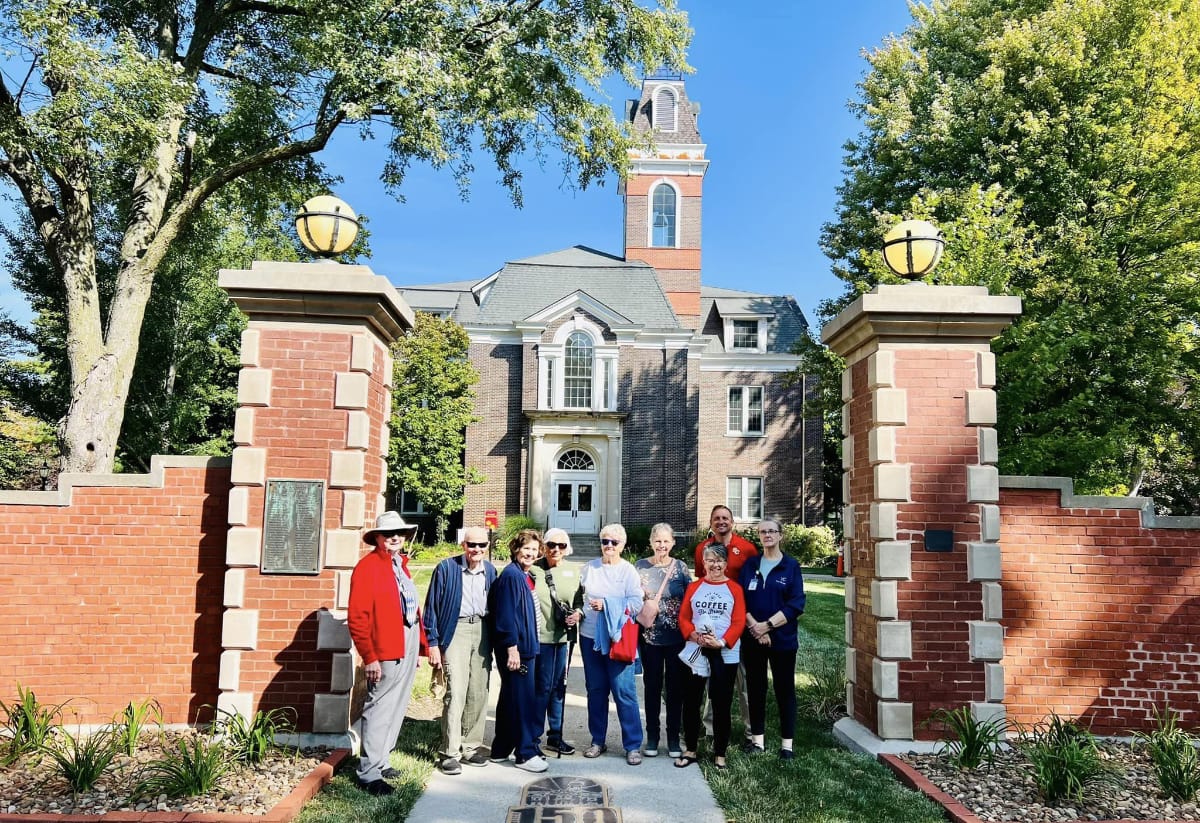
{"x":551,"y":691}
{"x":517,"y":721}
{"x":756,"y":657}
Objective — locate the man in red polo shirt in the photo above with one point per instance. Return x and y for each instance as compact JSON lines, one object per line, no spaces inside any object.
{"x":739,"y":549}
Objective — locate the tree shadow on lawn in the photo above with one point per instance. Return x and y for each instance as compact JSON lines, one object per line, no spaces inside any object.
{"x":342,"y":801}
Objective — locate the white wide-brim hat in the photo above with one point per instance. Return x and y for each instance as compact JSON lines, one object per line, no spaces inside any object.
{"x":389,"y":522}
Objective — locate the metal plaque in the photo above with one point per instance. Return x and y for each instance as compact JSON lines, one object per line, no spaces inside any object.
{"x":563,"y":814}
{"x":564,"y":791}
{"x":292,"y":524}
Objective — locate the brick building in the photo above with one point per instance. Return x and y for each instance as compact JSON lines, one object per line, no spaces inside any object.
{"x":622,"y":389}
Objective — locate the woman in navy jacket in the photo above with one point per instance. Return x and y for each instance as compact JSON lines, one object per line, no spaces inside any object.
{"x":774,"y":590}
{"x":512,"y":612}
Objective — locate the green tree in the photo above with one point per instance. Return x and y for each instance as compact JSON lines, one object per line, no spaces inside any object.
{"x":433,"y":402}
{"x":120,"y":120}
{"x":1078,"y":118}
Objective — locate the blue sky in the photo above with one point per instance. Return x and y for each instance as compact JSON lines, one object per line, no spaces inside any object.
{"x":772,"y":77}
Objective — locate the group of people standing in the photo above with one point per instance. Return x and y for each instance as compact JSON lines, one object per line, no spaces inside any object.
{"x":696,"y":639}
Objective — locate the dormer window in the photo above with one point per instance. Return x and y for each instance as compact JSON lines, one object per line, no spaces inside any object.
{"x":745,"y":335}
{"x":663,"y":201}
{"x":665,"y":109}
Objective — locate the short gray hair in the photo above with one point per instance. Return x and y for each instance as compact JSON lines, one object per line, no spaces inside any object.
{"x":717,"y":550}
{"x":614,"y":530}
{"x":658,"y":528}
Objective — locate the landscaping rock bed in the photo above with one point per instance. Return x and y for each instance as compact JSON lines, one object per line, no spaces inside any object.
{"x":1006,"y":792}
{"x":31,"y":786}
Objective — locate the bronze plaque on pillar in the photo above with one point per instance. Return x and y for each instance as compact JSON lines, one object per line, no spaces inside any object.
{"x":292,"y":524}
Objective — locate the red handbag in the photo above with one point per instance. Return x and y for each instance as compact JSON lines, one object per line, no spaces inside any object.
{"x":625,"y":649}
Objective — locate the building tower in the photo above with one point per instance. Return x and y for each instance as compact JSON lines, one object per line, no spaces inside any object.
{"x":663,"y":192}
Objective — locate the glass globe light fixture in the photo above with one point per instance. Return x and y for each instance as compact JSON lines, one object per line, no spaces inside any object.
{"x":326,"y":225}
{"x":913,"y":248}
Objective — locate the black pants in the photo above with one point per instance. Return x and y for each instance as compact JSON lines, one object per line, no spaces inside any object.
{"x":661,"y":665}
{"x":517,"y":723}
{"x":720,"y":684}
{"x":756,"y":657}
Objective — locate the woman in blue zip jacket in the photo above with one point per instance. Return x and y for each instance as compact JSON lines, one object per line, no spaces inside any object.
{"x":774,"y":590}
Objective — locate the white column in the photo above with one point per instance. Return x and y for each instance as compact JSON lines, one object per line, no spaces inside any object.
{"x":537,"y":484}
{"x":612,"y":482}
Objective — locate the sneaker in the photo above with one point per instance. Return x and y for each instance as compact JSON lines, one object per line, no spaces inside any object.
{"x":450,"y":766}
{"x":476,"y":759}
{"x":651,"y":748}
{"x":675,"y":751}
{"x":595,"y":750}
{"x":390,"y":773}
{"x":750,"y":747}
{"x":503,"y":759}
{"x":633,"y":757}
{"x":560,"y":747}
{"x":377,"y":787}
{"x":787,"y":754}
{"x":533,"y":764}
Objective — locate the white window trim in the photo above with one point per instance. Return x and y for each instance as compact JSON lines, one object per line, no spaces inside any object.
{"x":746,"y":411}
{"x":761,"y":348}
{"x":663,"y":181}
{"x":555,"y":352}
{"x":674,"y":109}
{"x":739,"y":513}
{"x":420,"y":509}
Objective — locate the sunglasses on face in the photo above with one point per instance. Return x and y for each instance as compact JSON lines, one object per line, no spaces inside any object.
{"x":471,"y":545}
{"x":390,"y":535}
{"x":556,"y":546}
{"x":608,"y":541}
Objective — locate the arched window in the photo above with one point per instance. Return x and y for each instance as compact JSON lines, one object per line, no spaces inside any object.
{"x":576,"y":460}
{"x":662,"y":217}
{"x":577,"y":371}
{"x":665,"y":110}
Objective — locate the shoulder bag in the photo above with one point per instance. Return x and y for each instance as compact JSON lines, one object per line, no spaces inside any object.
{"x":649,"y":611}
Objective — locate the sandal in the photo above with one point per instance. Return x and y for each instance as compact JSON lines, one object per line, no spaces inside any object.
{"x":720,"y":763}
{"x":683,"y":761}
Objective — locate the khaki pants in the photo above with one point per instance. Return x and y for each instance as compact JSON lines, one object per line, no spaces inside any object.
{"x":467,"y":661}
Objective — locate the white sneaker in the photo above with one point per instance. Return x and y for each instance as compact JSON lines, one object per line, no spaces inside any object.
{"x":534,"y":764}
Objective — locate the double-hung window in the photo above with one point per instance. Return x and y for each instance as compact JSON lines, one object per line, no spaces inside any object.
{"x":743,"y":495}
{"x":745,"y":411}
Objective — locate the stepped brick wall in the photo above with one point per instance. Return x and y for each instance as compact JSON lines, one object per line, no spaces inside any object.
{"x":1101,"y":608}
{"x":112,"y":593}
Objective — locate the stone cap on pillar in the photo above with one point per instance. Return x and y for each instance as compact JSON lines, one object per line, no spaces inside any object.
{"x":920,"y":314}
{"x":271,"y":290}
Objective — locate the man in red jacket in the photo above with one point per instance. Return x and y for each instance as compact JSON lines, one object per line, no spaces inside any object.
{"x":386,"y":630}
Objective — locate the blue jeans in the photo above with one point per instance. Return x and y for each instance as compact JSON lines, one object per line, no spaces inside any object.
{"x":605,"y":676}
{"x":551,"y":667}
{"x":661,"y":664}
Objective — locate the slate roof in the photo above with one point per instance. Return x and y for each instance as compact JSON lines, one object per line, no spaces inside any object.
{"x":525,"y":287}
{"x":787,"y":326}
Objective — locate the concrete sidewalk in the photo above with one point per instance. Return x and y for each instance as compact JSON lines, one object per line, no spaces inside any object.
{"x":652,"y":792}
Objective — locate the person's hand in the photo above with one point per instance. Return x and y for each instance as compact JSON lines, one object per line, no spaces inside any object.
{"x":765,"y":640}
{"x":514,"y":659}
{"x":374,"y":672}
{"x":435,"y":657}
{"x":760,"y":629}
{"x":596,"y":604}
{"x":573,"y":618}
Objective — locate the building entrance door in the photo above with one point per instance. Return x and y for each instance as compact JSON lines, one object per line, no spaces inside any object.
{"x":574,"y":505}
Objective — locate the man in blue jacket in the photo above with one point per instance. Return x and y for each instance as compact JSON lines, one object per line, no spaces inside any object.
{"x":456,"y":608}
{"x":513,"y":613}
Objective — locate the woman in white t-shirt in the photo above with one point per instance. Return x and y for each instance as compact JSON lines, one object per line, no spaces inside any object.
{"x":711,"y":619}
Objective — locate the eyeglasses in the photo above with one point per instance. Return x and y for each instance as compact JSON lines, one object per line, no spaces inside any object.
{"x":471,"y":545}
{"x":556,"y":546}
{"x":608,"y":541}
{"x":768,"y":531}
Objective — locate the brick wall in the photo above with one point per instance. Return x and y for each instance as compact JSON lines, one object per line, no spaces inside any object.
{"x":495,"y":441}
{"x":779,"y":456}
{"x":116,"y":596}
{"x":861,"y":622}
{"x":1101,"y":612}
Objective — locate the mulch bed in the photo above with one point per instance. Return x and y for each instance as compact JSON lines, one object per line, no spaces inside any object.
{"x":33,"y":785}
{"x":1006,"y":792}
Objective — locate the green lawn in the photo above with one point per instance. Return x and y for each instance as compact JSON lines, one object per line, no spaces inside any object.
{"x":824,"y":784}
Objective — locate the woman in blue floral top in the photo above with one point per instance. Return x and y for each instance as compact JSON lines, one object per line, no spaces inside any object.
{"x":660,"y":644}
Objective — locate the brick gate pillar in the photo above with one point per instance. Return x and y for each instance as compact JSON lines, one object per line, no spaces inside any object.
{"x":314,"y":399}
{"x":923,"y":599}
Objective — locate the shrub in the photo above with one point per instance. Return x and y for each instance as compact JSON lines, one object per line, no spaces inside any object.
{"x":509,"y":528}
{"x":1173,"y":753}
{"x":28,"y":725}
{"x":82,"y":759}
{"x":637,"y":541}
{"x":975,"y":741}
{"x":1063,"y":759}
{"x":191,"y":768}
{"x":249,"y":740}
{"x":806,"y":544}
{"x":132,"y":722}
{"x":438,"y":551}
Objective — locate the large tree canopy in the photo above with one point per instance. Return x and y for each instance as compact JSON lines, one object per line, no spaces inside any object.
{"x":1058,"y":143}
{"x":120,"y":120}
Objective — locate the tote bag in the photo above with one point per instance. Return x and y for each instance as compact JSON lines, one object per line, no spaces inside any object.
{"x":625,"y":649}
